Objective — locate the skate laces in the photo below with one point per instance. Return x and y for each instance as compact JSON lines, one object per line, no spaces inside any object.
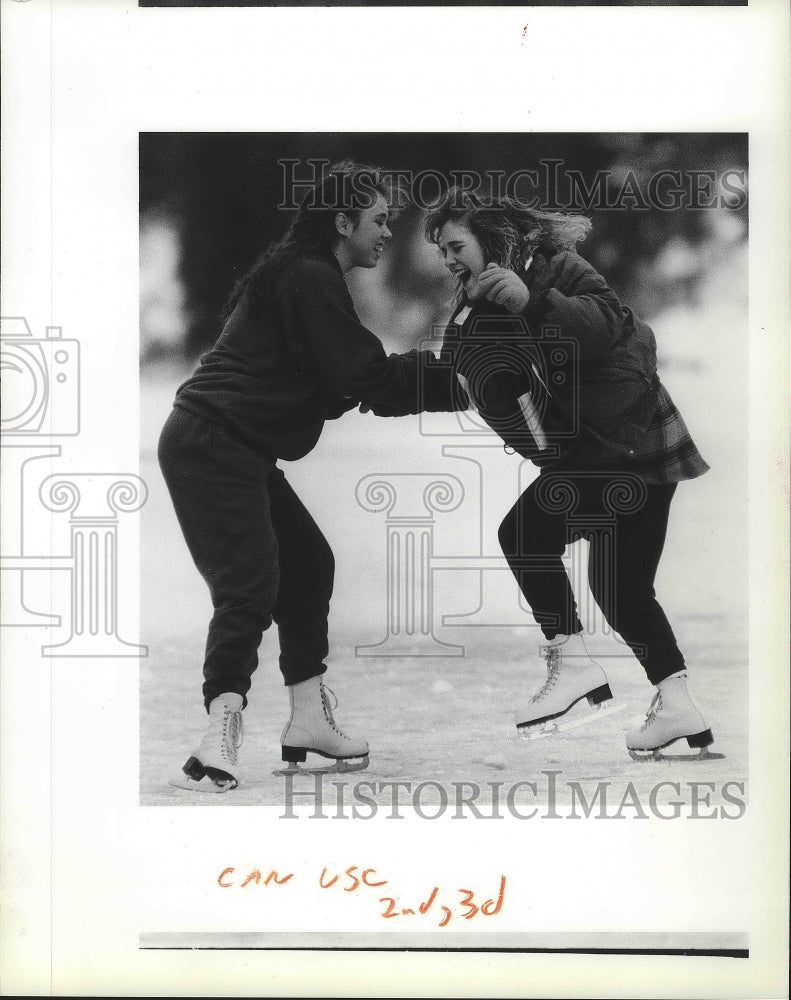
{"x":553,"y":657}
{"x":551,"y":654}
{"x":326,"y":694}
{"x":232,"y":733}
{"x":653,"y":708}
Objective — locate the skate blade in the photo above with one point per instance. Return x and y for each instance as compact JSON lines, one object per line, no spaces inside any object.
{"x":529,"y":732}
{"x":656,"y":755}
{"x":344,"y":766}
{"x":205,"y":784}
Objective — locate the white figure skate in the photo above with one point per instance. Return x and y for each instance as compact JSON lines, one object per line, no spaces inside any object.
{"x":213,"y":766}
{"x":671,"y":716}
{"x":571,"y":677}
{"x":312,"y":728}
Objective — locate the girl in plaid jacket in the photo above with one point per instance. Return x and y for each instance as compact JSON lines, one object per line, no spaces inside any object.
{"x":567,"y":377}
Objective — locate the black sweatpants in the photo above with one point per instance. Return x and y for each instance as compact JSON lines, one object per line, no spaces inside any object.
{"x":256,"y":546}
{"x":625,"y":521}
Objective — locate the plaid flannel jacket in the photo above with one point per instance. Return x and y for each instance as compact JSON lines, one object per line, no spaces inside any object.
{"x":667,"y":453}
{"x":613,"y":413}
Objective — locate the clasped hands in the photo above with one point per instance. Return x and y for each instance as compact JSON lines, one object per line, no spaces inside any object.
{"x":497,"y":284}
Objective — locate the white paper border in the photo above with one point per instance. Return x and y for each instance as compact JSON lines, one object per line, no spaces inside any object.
{"x":100,"y":72}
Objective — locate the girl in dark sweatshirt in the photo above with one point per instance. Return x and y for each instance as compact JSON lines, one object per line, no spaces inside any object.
{"x":292,"y":354}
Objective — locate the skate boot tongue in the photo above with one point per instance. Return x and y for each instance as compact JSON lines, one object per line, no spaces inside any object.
{"x":232,"y":701}
{"x":234,"y":735}
{"x":327,"y":694}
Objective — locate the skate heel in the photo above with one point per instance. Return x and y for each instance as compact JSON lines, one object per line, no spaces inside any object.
{"x":221,"y":778}
{"x":293,"y":755}
{"x":701,"y":740}
{"x":194,"y":769}
{"x":600,"y":694}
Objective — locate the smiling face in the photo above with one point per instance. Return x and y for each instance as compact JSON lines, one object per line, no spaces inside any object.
{"x":463,"y":256}
{"x":361,"y":243}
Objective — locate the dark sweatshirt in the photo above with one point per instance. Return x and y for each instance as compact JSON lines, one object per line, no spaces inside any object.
{"x":277,"y":373}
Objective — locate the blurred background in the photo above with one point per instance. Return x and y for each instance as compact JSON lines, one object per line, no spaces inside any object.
{"x":208,"y":208}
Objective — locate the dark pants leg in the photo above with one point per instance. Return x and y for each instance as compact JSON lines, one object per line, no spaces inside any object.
{"x":307,"y":574}
{"x":624,"y":555}
{"x":231,"y":504}
{"x":533,"y":539}
{"x":630,"y":606}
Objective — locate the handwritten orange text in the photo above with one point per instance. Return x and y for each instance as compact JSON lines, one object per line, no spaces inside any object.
{"x":467,"y":906}
{"x":443,"y":905}
{"x":226,"y":881}
{"x":354,"y":882}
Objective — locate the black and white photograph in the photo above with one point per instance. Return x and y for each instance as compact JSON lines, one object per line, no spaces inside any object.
{"x":395,"y":533}
{"x":434,"y":641}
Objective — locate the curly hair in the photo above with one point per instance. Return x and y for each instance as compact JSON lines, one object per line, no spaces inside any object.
{"x":508,"y":232}
{"x":346,"y":187}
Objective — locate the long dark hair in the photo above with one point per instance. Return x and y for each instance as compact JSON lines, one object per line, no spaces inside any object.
{"x":509,"y":233}
{"x":346,"y":187}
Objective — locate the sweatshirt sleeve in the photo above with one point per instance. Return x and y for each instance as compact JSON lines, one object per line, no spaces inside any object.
{"x":338,"y":405}
{"x":351,"y":360}
{"x":581,"y":303}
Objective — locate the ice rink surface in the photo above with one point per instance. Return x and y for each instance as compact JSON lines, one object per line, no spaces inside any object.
{"x":450,"y":719}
